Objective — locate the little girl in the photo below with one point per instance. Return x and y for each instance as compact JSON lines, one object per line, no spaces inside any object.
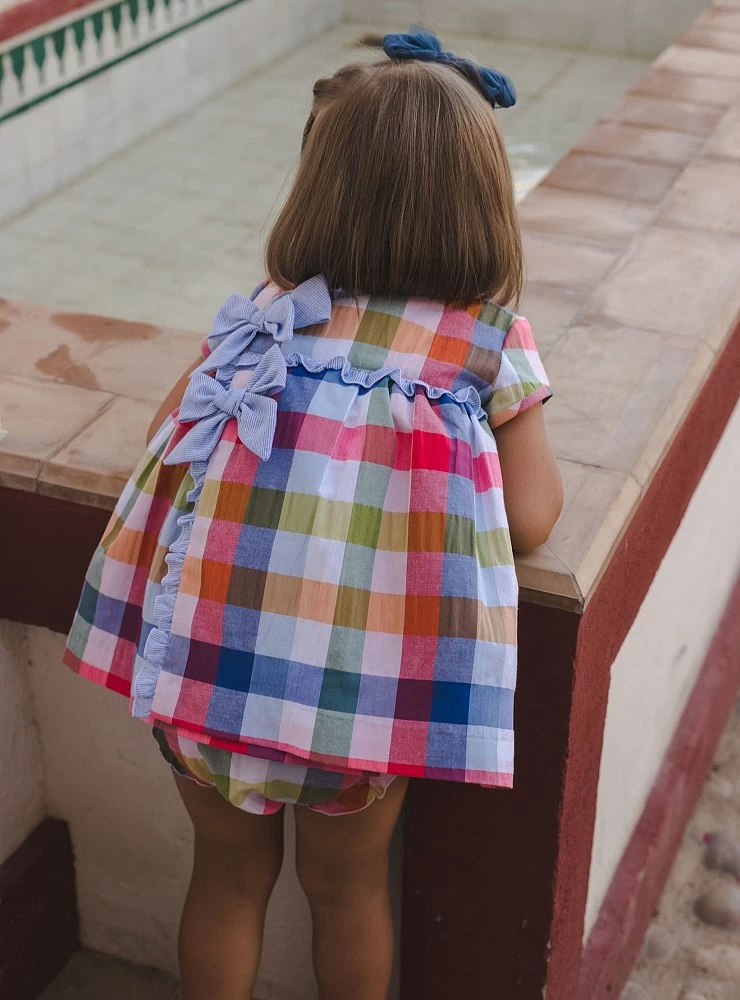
{"x":308,"y":586}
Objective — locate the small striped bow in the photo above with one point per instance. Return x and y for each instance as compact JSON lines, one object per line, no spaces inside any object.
{"x":239,"y":320}
{"x":209,"y":405}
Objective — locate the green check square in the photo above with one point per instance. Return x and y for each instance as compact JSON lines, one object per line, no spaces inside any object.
{"x":493,"y":548}
{"x":332,"y":519}
{"x":339,"y":691}
{"x":379,"y":411}
{"x":367,"y":356}
{"x":372,"y":484}
{"x":332,"y":733}
{"x":378,"y":328}
{"x":364,"y":525}
{"x":459,"y":535}
{"x":493,"y":315}
{"x":345,"y":647}
{"x":265,"y":507}
{"x":298,"y":513}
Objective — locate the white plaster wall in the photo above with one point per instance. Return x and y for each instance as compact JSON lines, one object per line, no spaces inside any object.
{"x":22,"y":805}
{"x":130,"y":833}
{"x":658,"y":664}
{"x":644,"y":27}
{"x":50,"y":144}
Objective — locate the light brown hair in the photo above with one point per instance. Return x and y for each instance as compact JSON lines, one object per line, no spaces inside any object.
{"x":403,"y":187}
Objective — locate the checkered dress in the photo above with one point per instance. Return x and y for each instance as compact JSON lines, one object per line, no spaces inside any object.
{"x":311,"y":563}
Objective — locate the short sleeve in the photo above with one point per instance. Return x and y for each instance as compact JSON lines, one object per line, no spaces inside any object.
{"x":521,"y":381}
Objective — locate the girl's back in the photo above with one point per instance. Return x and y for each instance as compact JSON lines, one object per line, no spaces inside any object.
{"x":308,"y":584}
{"x":351,"y":600}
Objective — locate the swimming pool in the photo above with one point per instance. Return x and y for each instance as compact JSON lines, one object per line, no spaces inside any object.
{"x":164,"y":230}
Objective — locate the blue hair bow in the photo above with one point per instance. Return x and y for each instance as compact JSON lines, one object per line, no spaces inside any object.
{"x":424,"y":45}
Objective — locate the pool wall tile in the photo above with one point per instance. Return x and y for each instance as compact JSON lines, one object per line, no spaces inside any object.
{"x":75,"y":89}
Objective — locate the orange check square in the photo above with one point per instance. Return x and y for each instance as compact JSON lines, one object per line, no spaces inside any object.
{"x":317,"y":601}
{"x":232,"y":501}
{"x":422,"y":614}
{"x":385,"y":613}
{"x":452,"y":350}
{"x":426,"y":531}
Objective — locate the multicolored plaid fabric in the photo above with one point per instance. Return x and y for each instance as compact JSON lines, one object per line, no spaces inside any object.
{"x":351,"y":601}
{"x":264,"y":786}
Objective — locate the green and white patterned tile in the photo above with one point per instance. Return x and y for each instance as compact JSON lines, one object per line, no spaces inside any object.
{"x":72,"y":49}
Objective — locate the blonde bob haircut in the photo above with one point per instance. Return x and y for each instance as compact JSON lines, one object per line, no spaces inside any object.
{"x":403,"y":187}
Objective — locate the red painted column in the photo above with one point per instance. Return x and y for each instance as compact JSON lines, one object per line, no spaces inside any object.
{"x":46,"y":546}
{"x":495,"y":882}
{"x":604,"y":626}
{"x":478,"y":888}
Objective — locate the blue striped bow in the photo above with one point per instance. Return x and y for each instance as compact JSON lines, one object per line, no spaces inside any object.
{"x":211,"y":405}
{"x":239,"y":320}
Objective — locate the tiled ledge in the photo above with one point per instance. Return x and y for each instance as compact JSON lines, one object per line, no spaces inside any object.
{"x":633,"y":250}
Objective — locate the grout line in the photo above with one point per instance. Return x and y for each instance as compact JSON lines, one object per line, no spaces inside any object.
{"x":80,"y":430}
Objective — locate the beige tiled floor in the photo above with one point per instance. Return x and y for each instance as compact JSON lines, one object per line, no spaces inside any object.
{"x":164,"y":231}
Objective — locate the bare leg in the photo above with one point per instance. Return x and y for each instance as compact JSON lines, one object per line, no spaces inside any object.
{"x":342,"y":864}
{"x":236,"y":862}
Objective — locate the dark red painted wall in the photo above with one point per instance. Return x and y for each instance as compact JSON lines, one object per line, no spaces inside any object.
{"x":46,"y":545}
{"x":479,"y":863}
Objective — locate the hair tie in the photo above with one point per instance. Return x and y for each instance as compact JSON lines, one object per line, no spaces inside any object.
{"x":496,"y":87}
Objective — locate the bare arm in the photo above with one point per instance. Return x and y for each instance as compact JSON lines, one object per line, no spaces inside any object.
{"x":172,"y":400}
{"x":533,"y":489}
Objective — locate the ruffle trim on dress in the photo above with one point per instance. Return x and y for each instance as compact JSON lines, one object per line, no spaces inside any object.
{"x":155,"y":648}
{"x":367,"y":378}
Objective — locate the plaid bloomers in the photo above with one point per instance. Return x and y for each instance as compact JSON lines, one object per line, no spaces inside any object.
{"x":311,"y":564}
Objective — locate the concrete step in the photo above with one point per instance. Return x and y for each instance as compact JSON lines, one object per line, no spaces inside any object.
{"x":92,"y":976}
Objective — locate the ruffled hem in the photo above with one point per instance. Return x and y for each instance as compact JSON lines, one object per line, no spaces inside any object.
{"x":367,"y":378}
{"x":155,"y":648}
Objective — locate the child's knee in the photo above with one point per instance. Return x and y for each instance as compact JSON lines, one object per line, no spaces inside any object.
{"x":342,"y":883}
{"x":240,"y":869}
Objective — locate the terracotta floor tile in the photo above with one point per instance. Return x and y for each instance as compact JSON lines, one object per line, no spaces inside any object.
{"x":563,"y":572}
{"x":550,"y":310}
{"x":712,"y":38}
{"x":587,"y":216}
{"x":644,"y":290}
{"x":40,"y":418}
{"x":724,"y":320}
{"x":34,"y":345}
{"x":553,"y":261}
{"x":700,"y":62}
{"x":725,"y":141}
{"x":682,"y":86}
{"x":159,"y":363}
{"x":664,"y":428}
{"x":722,"y":17}
{"x":681,"y":116}
{"x":598,"y":502}
{"x":706,"y":196}
{"x":96,"y":463}
{"x":607,"y":175}
{"x":637,"y":142}
{"x":611,"y":385}
{"x":545,"y":579}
